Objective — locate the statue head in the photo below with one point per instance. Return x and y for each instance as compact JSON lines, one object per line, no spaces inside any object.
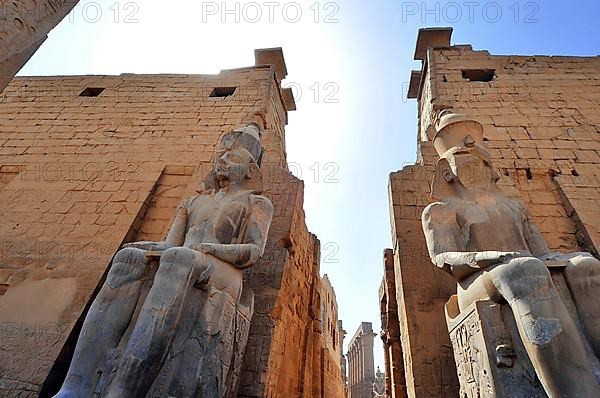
{"x":464,"y":161}
{"x":235,"y":166}
{"x":247,"y":137}
{"x":236,"y":161}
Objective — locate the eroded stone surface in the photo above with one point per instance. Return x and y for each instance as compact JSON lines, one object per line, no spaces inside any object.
{"x":23,"y":28}
{"x":213,"y":237}
{"x":490,"y":244}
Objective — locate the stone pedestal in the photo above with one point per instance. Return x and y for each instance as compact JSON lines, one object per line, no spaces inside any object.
{"x":491,"y":360}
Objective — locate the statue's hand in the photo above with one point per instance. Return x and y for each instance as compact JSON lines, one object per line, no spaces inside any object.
{"x":204,"y":277}
{"x":562,"y":259}
{"x":491,"y":257}
{"x":551,"y":257}
{"x":149,"y":246}
{"x":208,"y":248}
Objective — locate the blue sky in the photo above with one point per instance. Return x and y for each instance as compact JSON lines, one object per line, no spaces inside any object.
{"x":350,"y":60}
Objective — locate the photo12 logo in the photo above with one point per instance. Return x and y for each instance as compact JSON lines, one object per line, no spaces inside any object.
{"x":269,"y":11}
{"x":316,"y":172}
{"x":93,"y":12}
{"x":325,"y":93}
{"x":471,"y":11}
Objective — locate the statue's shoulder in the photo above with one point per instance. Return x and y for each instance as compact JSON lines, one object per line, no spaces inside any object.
{"x":261,"y":202}
{"x":445,"y":207}
{"x":189,"y":201}
{"x":439,"y":213}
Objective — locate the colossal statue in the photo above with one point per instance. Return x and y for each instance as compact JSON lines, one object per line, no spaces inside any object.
{"x":187,"y":335}
{"x":490,"y":244}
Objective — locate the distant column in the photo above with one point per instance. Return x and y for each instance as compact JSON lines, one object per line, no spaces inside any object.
{"x":350,"y":375}
{"x":350,"y":357}
{"x":353,"y":384}
{"x":360,"y":362}
{"x":354,"y":355}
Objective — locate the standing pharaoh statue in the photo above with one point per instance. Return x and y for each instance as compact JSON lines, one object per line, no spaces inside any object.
{"x":491,"y":246}
{"x":187,"y":335}
{"x":379,"y":385}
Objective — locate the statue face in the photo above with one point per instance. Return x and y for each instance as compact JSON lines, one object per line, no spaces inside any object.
{"x":472,"y":171}
{"x":233,"y":166}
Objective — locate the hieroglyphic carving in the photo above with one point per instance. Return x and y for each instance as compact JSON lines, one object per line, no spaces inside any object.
{"x":21,"y":22}
{"x":490,"y":360}
{"x":24,"y":25}
{"x":469,"y":359}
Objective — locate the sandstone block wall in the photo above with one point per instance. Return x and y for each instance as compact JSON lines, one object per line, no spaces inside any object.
{"x":395,"y":382}
{"x":542,"y":127}
{"x":89,"y":162}
{"x":331,"y":352}
{"x":421,"y":291}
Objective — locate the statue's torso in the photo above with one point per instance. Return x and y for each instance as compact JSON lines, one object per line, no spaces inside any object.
{"x":217,"y":218}
{"x":492,"y":223}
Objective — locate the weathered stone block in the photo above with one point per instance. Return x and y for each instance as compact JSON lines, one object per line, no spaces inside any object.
{"x":490,"y":361}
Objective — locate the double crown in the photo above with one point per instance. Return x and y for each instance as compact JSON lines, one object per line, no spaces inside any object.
{"x":454,"y":130}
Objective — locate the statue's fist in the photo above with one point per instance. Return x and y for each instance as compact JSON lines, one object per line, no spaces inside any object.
{"x":149,"y":246}
{"x":487,"y":258}
{"x":207,"y":248}
{"x":505,"y":256}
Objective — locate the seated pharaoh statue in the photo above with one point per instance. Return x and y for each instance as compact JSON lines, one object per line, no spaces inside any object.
{"x":185,"y":335}
{"x":489,"y":243}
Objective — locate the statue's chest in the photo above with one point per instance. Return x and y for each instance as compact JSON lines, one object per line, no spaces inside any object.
{"x":494,"y":223}
{"x":219,"y":218}
{"x":487,"y":214}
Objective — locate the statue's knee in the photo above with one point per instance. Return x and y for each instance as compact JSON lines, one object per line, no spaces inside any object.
{"x":522,"y":267}
{"x":534,"y":267}
{"x":177,"y":255}
{"x":588,"y":262}
{"x":176,"y":261}
{"x":130,"y":255}
{"x":586,"y":267}
{"x":522,"y":277}
{"x":128,"y":265}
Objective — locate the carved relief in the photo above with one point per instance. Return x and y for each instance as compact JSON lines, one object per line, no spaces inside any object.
{"x":470,"y":359}
{"x":490,"y":360}
{"x":24,"y":25}
{"x":22,"y":21}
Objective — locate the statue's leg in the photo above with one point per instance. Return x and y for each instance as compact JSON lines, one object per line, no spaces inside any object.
{"x":156,"y":324}
{"x":547,"y":330}
{"x":105,"y":322}
{"x":583,"y":279}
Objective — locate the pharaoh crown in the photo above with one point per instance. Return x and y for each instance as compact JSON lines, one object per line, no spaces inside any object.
{"x":456,"y":130}
{"x":247,"y":137}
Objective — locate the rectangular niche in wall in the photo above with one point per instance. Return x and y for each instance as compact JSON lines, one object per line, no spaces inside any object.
{"x":479,"y":75}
